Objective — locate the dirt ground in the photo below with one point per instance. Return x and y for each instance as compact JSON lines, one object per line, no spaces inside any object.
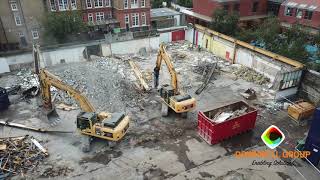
{"x":155,"y":147}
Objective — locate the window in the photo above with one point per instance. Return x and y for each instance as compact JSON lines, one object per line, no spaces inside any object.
{"x":255,"y":6}
{"x":289,"y":11}
{"x":299,"y":13}
{"x":73,"y":4}
{"x":90,"y":17}
{"x":63,"y":5}
{"x":89,"y":4}
{"x":98,"y":3}
{"x":17,"y":18}
{"x":99,"y":16}
{"x":134,"y":3}
{"x":135,"y":20}
{"x":125,"y":2}
{"x":53,"y":5}
{"x":143,"y":19}
{"x":236,"y":7}
{"x":143,"y":3}
{"x":14,"y":6}
{"x":226,"y":7}
{"x":108,"y":3}
{"x":126,"y":19}
{"x":308,"y":15}
{"x":35,"y":34}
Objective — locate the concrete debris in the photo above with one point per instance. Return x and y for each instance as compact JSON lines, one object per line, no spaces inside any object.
{"x":249,"y":94}
{"x":27,"y":79}
{"x":228,"y":114}
{"x":106,"y":82}
{"x":251,"y":75}
{"x":20,"y":155}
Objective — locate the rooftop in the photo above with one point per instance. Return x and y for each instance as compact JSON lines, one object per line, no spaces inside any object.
{"x":312,"y":5}
{"x":161,"y":12}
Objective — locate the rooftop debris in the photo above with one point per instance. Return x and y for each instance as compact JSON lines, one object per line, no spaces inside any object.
{"x":20,"y":154}
{"x":251,"y":75}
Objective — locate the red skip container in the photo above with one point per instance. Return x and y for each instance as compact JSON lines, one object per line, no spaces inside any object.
{"x":213,"y":132}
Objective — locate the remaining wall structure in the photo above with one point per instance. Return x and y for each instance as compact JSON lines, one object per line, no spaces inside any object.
{"x":310,"y":87}
{"x":77,"y":53}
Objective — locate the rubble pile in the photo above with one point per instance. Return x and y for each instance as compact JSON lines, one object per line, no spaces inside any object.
{"x":106,"y":82}
{"x":224,"y":115}
{"x":27,"y":79}
{"x":19,"y":155}
{"x":251,"y":75}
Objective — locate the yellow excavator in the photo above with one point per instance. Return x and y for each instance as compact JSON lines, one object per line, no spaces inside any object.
{"x":170,"y":94}
{"x":111,"y":127}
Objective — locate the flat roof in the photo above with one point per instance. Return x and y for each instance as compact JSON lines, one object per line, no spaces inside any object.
{"x":197,"y":15}
{"x":161,"y":12}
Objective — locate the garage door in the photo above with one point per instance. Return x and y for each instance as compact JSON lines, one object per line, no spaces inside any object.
{"x":178,"y":35}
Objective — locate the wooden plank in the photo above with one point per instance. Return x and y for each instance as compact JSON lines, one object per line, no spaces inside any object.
{"x":139,"y":75}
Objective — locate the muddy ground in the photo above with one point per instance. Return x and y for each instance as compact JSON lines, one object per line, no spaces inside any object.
{"x":155,"y":147}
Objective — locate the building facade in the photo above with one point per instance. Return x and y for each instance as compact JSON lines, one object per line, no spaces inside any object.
{"x":248,"y":10}
{"x":244,"y":8}
{"x":20,"y":23}
{"x":130,"y":15}
{"x":303,"y":12}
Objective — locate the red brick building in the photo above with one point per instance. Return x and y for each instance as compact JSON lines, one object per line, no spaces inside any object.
{"x":247,"y":9}
{"x":108,"y":14}
{"x":304,"y":12}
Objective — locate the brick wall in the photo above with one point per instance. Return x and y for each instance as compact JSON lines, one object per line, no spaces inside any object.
{"x":314,"y":22}
{"x":206,"y":7}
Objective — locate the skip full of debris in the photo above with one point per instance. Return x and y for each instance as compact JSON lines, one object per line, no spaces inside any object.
{"x":251,"y":75}
{"x":226,"y":115}
{"x":20,"y":154}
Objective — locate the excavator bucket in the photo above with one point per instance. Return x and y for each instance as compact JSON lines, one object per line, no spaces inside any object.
{"x":53,"y":117}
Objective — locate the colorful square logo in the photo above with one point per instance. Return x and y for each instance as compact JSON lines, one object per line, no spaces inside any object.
{"x":272,"y":137}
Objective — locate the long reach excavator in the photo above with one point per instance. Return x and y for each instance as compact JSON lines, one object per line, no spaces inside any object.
{"x":170,"y":94}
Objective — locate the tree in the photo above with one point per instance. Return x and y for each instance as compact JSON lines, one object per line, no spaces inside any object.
{"x":224,"y":22}
{"x":63,"y":24}
{"x":158,"y":3}
{"x":185,"y":3}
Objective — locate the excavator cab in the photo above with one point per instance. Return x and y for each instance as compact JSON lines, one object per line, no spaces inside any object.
{"x":85,"y":120}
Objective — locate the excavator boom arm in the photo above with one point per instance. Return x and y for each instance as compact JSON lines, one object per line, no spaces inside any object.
{"x":162,"y":55}
{"x":47,"y":80}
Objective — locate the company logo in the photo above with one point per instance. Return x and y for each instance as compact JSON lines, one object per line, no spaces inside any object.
{"x":272,"y":137}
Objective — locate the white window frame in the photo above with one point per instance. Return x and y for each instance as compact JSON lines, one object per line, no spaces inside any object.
{"x":73,"y":4}
{"x":134,"y":4}
{"x":98,"y":3}
{"x":135,"y":19}
{"x":90,"y":15}
{"x":14,"y":6}
{"x":19,"y":22}
{"x":63,"y":5}
{"x":143,"y":19}
{"x":89,"y":2}
{"x":143,"y":3}
{"x":299,"y":13}
{"x":100,"y":15}
{"x":33,"y":33}
{"x":108,"y":3}
{"x":126,"y":4}
{"x":53,"y":6}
